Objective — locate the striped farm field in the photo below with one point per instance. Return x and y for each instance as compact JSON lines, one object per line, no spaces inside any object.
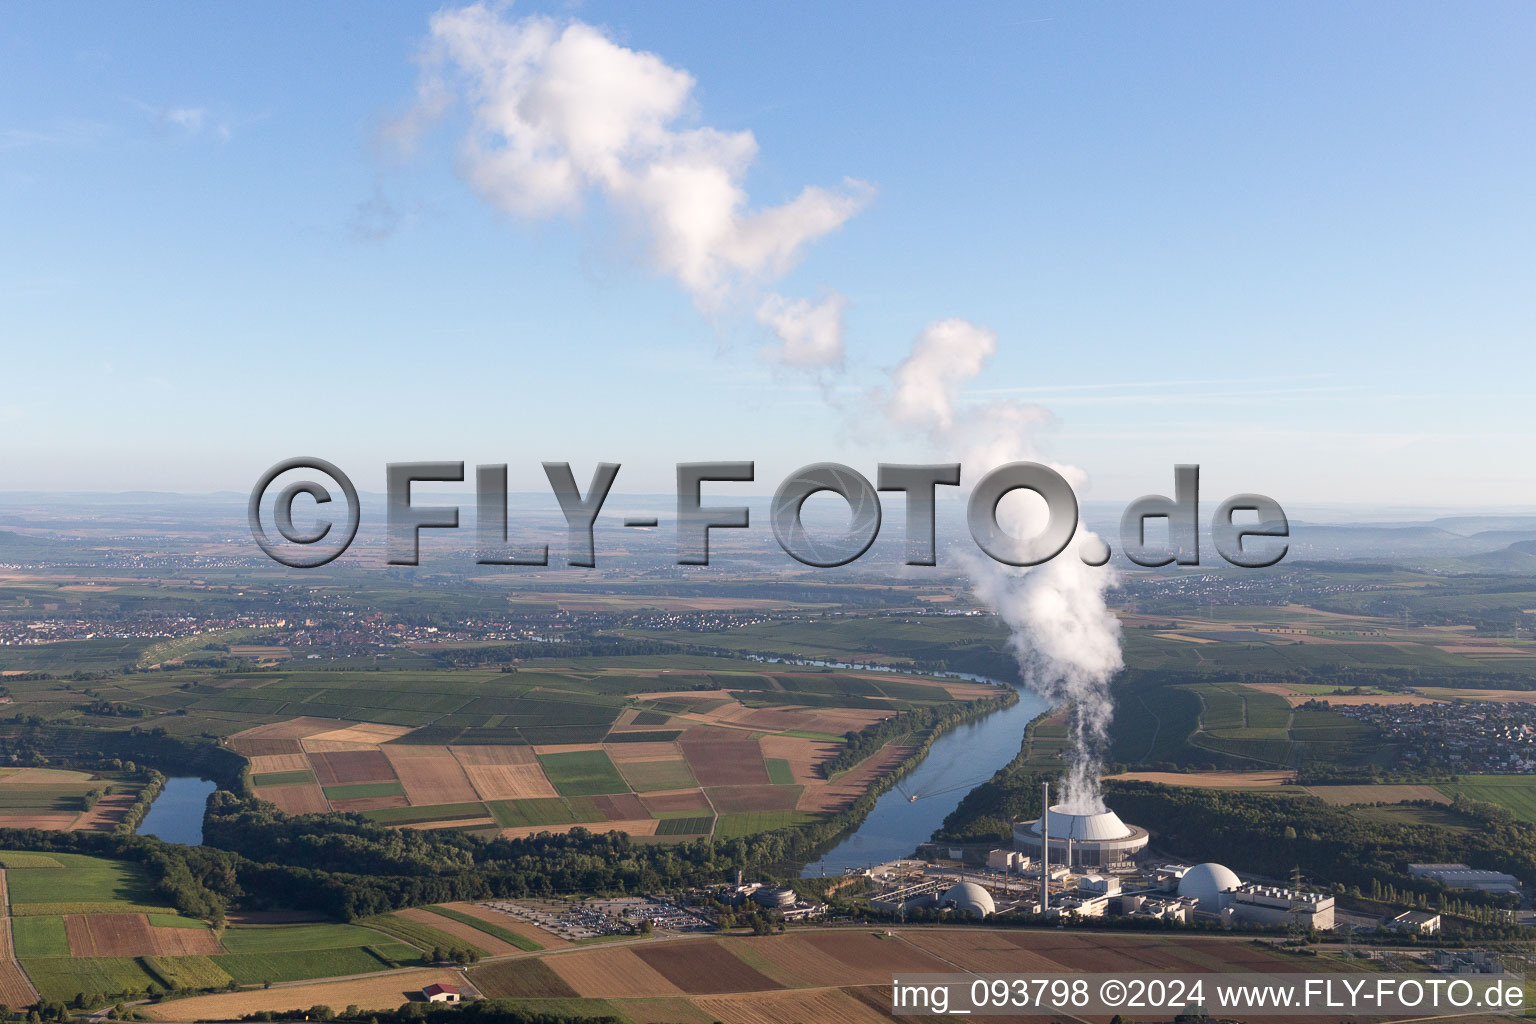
{"x":386,"y":992}
{"x":487,"y":927}
{"x":423,"y":935}
{"x":528,"y":978}
{"x":459,"y":933}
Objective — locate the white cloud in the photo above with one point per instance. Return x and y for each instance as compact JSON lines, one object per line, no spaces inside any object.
{"x":561,"y":112}
{"x":810,"y":334}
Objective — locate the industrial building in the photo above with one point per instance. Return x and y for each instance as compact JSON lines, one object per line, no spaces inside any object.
{"x":1096,"y":840}
{"x":1216,"y":891}
{"x":1459,"y":876}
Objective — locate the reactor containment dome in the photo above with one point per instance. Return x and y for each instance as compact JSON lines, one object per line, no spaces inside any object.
{"x":1209,"y":884}
{"x":969,"y":896}
{"x":1081,"y":840}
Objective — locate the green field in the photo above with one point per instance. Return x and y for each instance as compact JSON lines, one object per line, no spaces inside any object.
{"x":284,"y":937}
{"x":520,"y":941}
{"x":544,"y":811}
{"x":301,"y":964}
{"x":62,"y":978}
{"x":39,"y":936}
{"x":749,"y":823}
{"x":85,"y":880}
{"x":12,"y":861}
{"x":1515,"y":792}
{"x":778,"y":772}
{"x":583,"y":773}
{"x":417,"y":934}
{"x":689,"y":826}
{"x":431,"y":812}
{"x":186,"y":971}
{"x":657,"y":776}
{"x":358,"y":790}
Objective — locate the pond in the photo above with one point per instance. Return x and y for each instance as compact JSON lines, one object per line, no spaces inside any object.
{"x":177,"y":813}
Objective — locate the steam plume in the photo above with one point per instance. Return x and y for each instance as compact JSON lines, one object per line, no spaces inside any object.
{"x":560,"y":113}
{"x":1063,"y":634}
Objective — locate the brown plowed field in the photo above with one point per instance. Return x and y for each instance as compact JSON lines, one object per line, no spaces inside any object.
{"x":305,"y":799}
{"x":293,"y":729}
{"x":383,"y":992}
{"x":459,"y":930}
{"x":430,"y":775}
{"x":369,"y":803}
{"x":611,"y":973}
{"x":527,"y":978}
{"x":982,"y":952}
{"x":263,"y":763}
{"x":868,"y":960}
{"x":852,"y":784}
{"x":724,"y":757}
{"x":367,"y":733}
{"x":132,"y":935}
{"x":565,"y":748}
{"x":256,"y":746}
{"x":494,"y":755}
{"x":15,"y":989}
{"x":827,"y":1004}
{"x":634,"y":827}
{"x":352,"y":766}
{"x":621,"y":807}
{"x":676,"y":800}
{"x":41,"y":821}
{"x":805,"y":756}
{"x":624,"y":753}
{"x":549,"y":940}
{"x":704,"y":967}
{"x":733,"y":799}
{"x":109,"y":812}
{"x":510,"y":781}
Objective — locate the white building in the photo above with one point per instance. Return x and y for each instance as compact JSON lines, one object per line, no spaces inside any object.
{"x":1081,"y":840}
{"x":1459,"y":876}
{"x":1420,"y":922}
{"x":1218,"y":891}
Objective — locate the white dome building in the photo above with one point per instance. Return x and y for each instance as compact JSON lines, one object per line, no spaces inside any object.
{"x":1209,"y":884}
{"x":1081,"y":840}
{"x":969,"y":896}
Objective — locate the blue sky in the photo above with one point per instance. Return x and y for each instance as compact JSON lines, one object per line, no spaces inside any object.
{"x":1291,"y":242}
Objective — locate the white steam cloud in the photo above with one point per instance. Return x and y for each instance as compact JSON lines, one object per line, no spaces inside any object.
{"x":1066,"y":639}
{"x":559,"y":113}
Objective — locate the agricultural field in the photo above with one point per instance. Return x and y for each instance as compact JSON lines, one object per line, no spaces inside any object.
{"x":56,"y":798}
{"x":1517,"y":793}
{"x":841,"y":974}
{"x":93,"y":925}
{"x":726,"y":751}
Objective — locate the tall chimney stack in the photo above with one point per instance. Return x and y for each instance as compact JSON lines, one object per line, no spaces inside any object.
{"x":1045,"y":847}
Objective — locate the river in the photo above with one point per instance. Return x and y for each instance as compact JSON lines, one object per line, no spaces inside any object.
{"x":177,"y":813}
{"x":958,"y":762}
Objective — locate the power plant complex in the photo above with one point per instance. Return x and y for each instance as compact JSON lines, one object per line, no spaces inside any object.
{"x":1067,"y":864}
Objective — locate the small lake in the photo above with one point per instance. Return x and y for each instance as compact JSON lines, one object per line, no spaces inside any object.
{"x":177,"y":813}
{"x":958,"y":762}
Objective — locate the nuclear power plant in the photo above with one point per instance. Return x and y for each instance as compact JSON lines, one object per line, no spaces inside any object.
{"x":1075,"y":841}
